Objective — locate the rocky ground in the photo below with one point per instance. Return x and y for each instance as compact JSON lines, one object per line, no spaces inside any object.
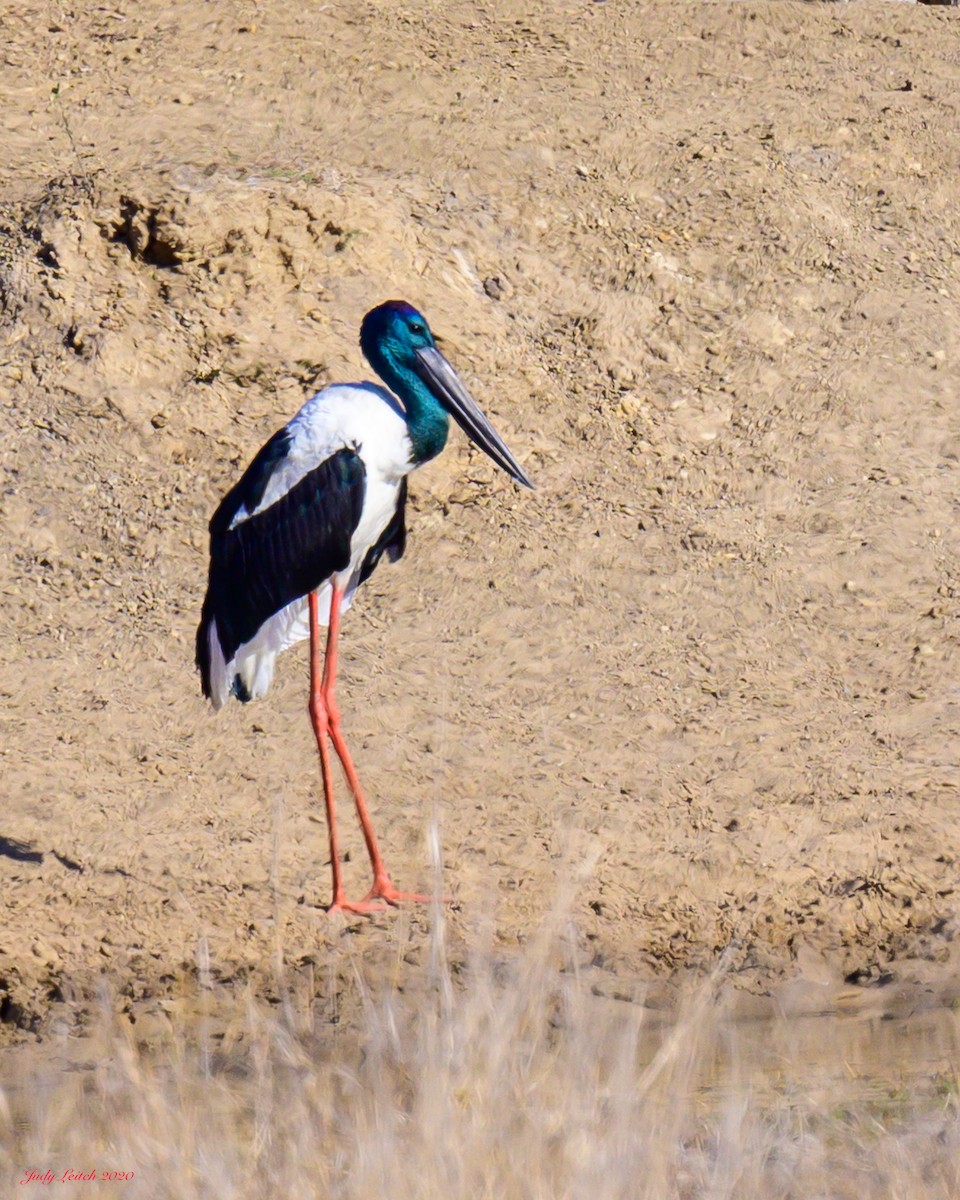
{"x":699,"y":264}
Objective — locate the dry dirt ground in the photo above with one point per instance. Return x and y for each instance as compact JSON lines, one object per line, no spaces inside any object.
{"x":700,"y":264}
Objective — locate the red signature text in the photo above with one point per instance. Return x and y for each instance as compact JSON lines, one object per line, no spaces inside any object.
{"x":71,"y":1176}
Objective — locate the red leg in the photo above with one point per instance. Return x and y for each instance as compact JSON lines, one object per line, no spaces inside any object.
{"x":382,"y":887}
{"x":320,"y":719}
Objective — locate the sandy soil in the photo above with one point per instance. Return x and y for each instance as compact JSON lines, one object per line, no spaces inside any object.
{"x":699,"y":263}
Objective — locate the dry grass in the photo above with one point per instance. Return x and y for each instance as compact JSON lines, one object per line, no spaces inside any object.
{"x":501,"y":1080}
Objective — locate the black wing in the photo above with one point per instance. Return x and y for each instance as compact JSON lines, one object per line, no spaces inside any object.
{"x":248,"y":492}
{"x":279,"y":554}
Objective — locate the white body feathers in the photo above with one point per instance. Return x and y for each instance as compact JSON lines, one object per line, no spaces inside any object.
{"x":362,"y":417}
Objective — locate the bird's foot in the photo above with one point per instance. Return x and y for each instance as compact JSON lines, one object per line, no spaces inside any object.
{"x":361,"y":907}
{"x":383,"y":889}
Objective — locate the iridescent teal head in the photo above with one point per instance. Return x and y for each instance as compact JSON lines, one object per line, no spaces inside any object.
{"x":391,"y":333}
{"x":398,"y":344}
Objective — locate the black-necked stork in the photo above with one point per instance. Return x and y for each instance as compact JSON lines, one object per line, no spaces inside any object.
{"x":308,"y":521}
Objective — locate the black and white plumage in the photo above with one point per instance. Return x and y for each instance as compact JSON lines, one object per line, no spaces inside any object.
{"x":309,"y":520}
{"x":321,"y":503}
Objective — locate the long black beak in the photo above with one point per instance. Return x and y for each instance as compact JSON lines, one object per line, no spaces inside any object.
{"x":445,"y":384}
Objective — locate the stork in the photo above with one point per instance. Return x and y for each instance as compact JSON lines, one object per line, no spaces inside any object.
{"x":307,"y":523}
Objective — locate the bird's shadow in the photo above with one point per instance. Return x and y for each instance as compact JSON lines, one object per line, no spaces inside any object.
{"x":18,"y":851}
